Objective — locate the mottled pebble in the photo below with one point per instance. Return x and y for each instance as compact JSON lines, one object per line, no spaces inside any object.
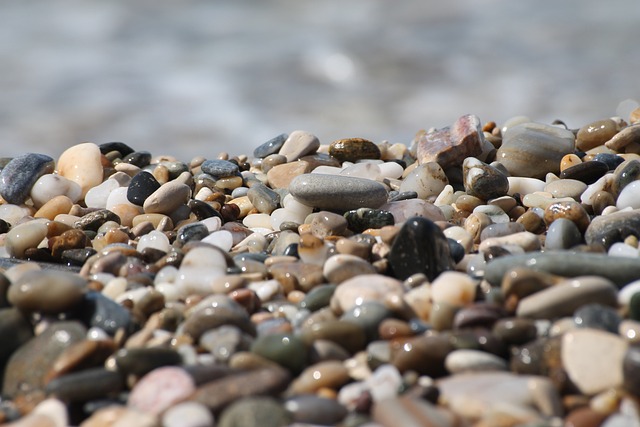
{"x":167,"y":198}
{"x":21,"y":173}
{"x":219,"y":168}
{"x":451,"y":145}
{"x":482,"y":180}
{"x":352,"y":149}
{"x":426,"y":180}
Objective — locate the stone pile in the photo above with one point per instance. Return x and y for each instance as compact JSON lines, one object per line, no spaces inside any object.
{"x":481,"y":276}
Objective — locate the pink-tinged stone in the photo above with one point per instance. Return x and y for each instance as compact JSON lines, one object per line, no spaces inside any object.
{"x":451,"y":145}
{"x":160,"y":389}
{"x":82,"y":164}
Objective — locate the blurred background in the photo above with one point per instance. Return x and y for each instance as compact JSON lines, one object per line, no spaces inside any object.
{"x":200,"y":77}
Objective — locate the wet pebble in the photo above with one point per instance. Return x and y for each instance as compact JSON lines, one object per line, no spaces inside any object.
{"x":353,"y":149}
{"x":21,"y":173}
{"x":482,"y":180}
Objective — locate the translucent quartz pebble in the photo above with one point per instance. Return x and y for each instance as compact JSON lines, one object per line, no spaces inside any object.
{"x":155,"y":240}
{"x":97,"y":196}
{"x":118,"y":197}
{"x":391,"y":170}
{"x":427,"y":180}
{"x":629,"y":197}
{"x":200,"y":266}
{"x":327,"y":170}
{"x":13,"y":213}
{"x":523,"y":186}
{"x":51,"y":185}
{"x":222,"y":239}
{"x":366,"y":170}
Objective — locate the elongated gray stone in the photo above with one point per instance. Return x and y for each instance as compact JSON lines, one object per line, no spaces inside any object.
{"x":337,"y":193}
{"x":609,"y":229}
{"x":619,"y":270}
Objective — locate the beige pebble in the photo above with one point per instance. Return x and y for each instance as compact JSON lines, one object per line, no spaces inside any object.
{"x":299,"y":143}
{"x":363,"y":288}
{"x":628,"y":135}
{"x":24,"y":236}
{"x":126,"y":212}
{"x":167,"y":198}
{"x":526,"y":240}
{"x":330,"y":374}
{"x":82,"y":164}
{"x":280,"y":176}
{"x":453,"y":288}
{"x":569,"y":160}
{"x":339,"y":268}
{"x":56,"y":206}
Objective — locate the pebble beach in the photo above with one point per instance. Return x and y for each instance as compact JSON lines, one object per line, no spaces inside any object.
{"x":483,"y":274}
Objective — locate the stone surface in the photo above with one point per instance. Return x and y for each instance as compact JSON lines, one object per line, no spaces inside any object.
{"x":81,"y":164}
{"x":593,"y":359}
{"x":482,"y":180}
{"x":142,"y":185}
{"x":47,"y":292}
{"x":451,"y":145}
{"x":21,"y":173}
{"x":255,"y":412}
{"x":160,"y":389}
{"x":352,"y":149}
{"x":298,"y":144}
{"x":167,"y":198}
{"x":534,"y":149}
{"x":219,"y":168}
{"x":609,"y":229}
{"x":420,"y":247}
{"x":339,"y":193}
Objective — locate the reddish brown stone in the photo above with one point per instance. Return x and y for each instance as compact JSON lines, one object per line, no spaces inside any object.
{"x":451,"y":145}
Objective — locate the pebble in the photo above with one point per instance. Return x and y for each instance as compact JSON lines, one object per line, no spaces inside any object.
{"x":482,"y":180}
{"x":299,"y":144}
{"x":339,"y":193}
{"x":353,"y":149}
{"x":451,"y":145}
{"x":420,"y":247}
{"x":81,"y":164}
{"x":213,"y":292}
{"x":595,"y":134}
{"x":21,"y":173}
{"x":534,"y":149}
{"x":602,"y":369}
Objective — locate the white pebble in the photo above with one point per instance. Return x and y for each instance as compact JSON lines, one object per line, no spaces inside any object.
{"x":599,"y":185}
{"x":428,"y":180}
{"x":13,"y":213}
{"x":623,"y":250}
{"x":51,"y":185}
{"x":221,"y":238}
{"x":327,"y":170}
{"x":168,"y":273}
{"x":187,"y":414}
{"x":291,"y":203}
{"x":261,"y":220}
{"x":495,"y":213}
{"x":97,"y":196}
{"x":212,"y":223}
{"x":629,"y":197}
{"x":445,"y":198}
{"x":115,"y":288}
{"x":118,"y":197}
{"x":366,"y":170}
{"x":391,"y":170}
{"x":266,"y":289}
{"x":524,"y":186}
{"x":384,"y":383}
{"x":155,"y":240}
{"x":285,"y":215}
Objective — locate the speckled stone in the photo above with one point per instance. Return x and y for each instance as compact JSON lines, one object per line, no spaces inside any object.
{"x":534,"y":149}
{"x":219,"y":168}
{"x":451,"y":145}
{"x":20,"y":174}
{"x":337,"y":193}
{"x":362,"y":219}
{"x":352,"y":149}
{"x":420,"y":247}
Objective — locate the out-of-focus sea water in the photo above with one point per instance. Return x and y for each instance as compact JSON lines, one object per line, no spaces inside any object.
{"x":200,"y":77}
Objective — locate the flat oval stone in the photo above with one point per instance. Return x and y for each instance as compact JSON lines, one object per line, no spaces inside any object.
{"x":49,"y":292}
{"x":562,"y":234}
{"x":341,"y":267}
{"x":85,"y":385}
{"x":620,"y":270}
{"x":272,"y":146}
{"x":317,"y":410}
{"x":587,"y":172}
{"x":280,"y":176}
{"x":219,"y":168}
{"x":420,"y":247}
{"x":534,"y":149}
{"x":352,"y":149}
{"x":167,"y":198}
{"x":329,"y":374}
{"x":82,"y":164}
{"x":28,"y":365}
{"x":566,"y":188}
{"x":140,"y":361}
{"x":142,"y":185}
{"x":339,"y":193}
{"x":366,"y":287}
{"x":21,"y":173}
{"x":595,"y":134}
{"x":287,"y":350}
{"x":467,"y":360}
{"x":566,"y":297}
{"x":348,"y":335}
{"x":254,"y":412}
{"x":24,"y":236}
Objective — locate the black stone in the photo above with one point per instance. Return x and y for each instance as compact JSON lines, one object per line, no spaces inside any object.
{"x":272,"y":146}
{"x":77,"y":257}
{"x":456,"y":250}
{"x":631,"y":370}
{"x":120,"y":147}
{"x":587,"y":172}
{"x":362,"y":219}
{"x":19,"y":175}
{"x":190,"y":232}
{"x":103,"y":312}
{"x":420,"y":247}
{"x":85,"y":385}
{"x":597,"y":316}
{"x":138,"y":158}
{"x":4,"y":226}
{"x":634,"y":306}
{"x":611,"y":160}
{"x":142,"y":185}
{"x":202,"y":210}
{"x":291,"y":250}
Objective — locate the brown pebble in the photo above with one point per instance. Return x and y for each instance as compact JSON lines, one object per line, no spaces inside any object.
{"x":54,"y":207}
{"x":532,"y":222}
{"x":280,"y":176}
{"x":570,"y":210}
{"x":352,"y":149}
{"x":595,"y":134}
{"x":584,"y":417}
{"x":394,"y":328}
